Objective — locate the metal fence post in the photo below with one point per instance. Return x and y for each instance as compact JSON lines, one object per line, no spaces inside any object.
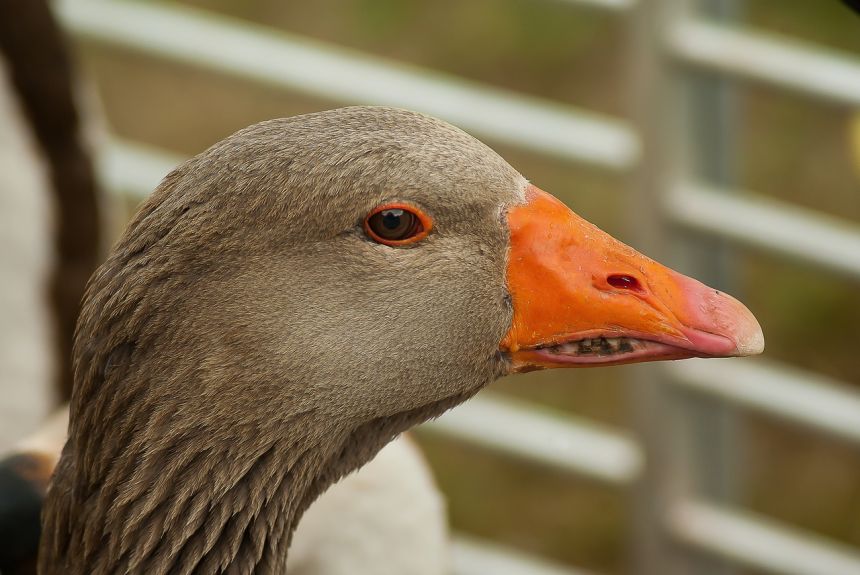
{"x":689,"y":442}
{"x":654,"y":93}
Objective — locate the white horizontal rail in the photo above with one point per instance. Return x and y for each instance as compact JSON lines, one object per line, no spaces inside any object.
{"x":801,"y":397}
{"x":613,"y":5}
{"x":760,"y":543}
{"x":609,"y":5}
{"x":768,"y":58}
{"x":250,"y":52}
{"x":134,"y":170}
{"x":770,"y":225}
{"x":472,"y":557}
{"x":565,"y":443}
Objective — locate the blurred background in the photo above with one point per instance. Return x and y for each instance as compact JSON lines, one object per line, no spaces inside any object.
{"x":720,"y":137}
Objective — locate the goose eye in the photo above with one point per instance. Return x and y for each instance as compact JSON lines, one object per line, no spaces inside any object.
{"x":396,"y":225}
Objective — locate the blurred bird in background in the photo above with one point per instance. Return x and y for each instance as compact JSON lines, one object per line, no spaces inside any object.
{"x":50,"y":226}
{"x":51,"y":213}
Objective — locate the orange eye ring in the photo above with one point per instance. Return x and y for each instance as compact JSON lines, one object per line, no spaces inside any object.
{"x":397,"y":224}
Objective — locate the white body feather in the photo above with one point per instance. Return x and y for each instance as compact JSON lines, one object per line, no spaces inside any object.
{"x":387,"y":518}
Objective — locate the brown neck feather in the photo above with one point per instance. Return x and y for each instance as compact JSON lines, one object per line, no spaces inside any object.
{"x":174,"y":500}
{"x":168,"y":469}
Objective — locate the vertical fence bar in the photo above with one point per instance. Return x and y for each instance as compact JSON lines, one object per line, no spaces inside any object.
{"x":688,"y":442}
{"x":714,"y":429}
{"x":654,"y":99}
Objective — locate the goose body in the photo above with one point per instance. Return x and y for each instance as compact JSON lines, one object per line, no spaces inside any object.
{"x":292,"y":299}
{"x":387,"y":518}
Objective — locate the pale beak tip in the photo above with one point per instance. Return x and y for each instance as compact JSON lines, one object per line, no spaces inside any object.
{"x":710,"y":311}
{"x":750,"y":338}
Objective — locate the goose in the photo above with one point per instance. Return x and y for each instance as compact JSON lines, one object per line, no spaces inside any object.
{"x":293,"y":298}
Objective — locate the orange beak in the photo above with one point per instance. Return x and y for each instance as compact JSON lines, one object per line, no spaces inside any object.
{"x":582,"y":298}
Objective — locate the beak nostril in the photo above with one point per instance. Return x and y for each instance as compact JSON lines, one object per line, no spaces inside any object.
{"x":623,"y":281}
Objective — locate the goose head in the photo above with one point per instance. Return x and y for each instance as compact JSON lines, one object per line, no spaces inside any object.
{"x":291,"y":299}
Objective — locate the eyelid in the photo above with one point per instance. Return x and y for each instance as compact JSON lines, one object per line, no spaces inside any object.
{"x":425,"y":221}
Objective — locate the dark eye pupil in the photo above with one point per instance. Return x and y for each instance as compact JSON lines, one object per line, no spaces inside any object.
{"x":392,"y":219}
{"x":394,"y":224}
